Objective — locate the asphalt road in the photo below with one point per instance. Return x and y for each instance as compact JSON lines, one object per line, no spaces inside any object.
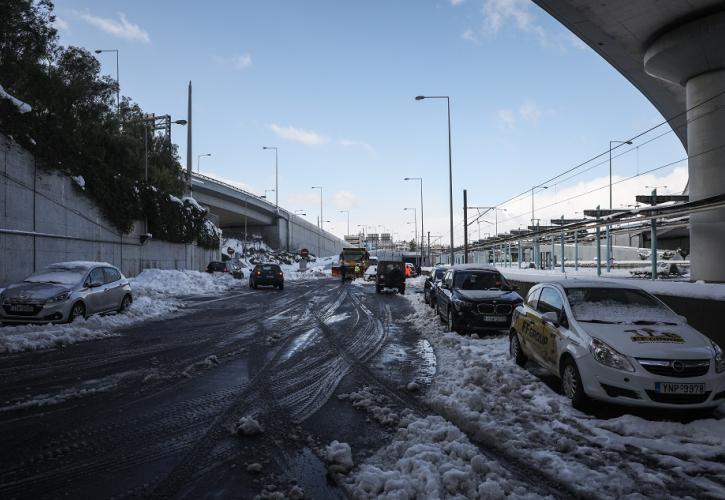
{"x":150,"y":413}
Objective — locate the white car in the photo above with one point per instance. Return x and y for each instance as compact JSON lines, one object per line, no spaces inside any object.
{"x":617,"y":343}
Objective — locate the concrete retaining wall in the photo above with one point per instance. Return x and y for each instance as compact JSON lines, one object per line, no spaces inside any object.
{"x":44,"y":218}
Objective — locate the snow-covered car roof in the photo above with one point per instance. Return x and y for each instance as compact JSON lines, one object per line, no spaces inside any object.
{"x":473,"y":267}
{"x":85,"y":264}
{"x":576,"y":283}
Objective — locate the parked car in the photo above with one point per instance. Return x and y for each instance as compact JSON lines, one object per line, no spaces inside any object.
{"x":217,"y":267}
{"x":391,"y":274}
{"x":65,"y":291}
{"x":617,"y":343}
{"x":431,"y":282}
{"x":266,"y":275}
{"x":475,"y":297}
{"x":371,"y":272}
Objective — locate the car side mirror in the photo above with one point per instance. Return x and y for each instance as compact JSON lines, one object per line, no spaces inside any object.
{"x":551,"y":317}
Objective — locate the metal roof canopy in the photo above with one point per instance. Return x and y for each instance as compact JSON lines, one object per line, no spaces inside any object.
{"x":654,"y":200}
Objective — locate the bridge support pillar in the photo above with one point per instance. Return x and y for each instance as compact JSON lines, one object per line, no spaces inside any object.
{"x":693,"y":55}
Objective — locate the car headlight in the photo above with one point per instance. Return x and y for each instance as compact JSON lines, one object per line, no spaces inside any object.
{"x":719,"y":357}
{"x":607,"y":356}
{"x":462,"y":304}
{"x":60,"y":297}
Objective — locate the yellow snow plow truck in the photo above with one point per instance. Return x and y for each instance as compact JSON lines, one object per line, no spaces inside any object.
{"x":355,"y":261}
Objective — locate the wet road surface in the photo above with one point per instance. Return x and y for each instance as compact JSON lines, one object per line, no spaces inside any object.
{"x":150,"y":413}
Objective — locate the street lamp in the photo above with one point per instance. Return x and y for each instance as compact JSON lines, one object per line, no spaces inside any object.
{"x":609,"y":242}
{"x":276,"y":175}
{"x":198,"y":160}
{"x":320,"y":188}
{"x":348,"y":219}
{"x":532,"y":201}
{"x":415,"y":223}
{"x":118,"y":83}
{"x":450,"y":163}
{"x":422,"y":227}
{"x":267,"y":191}
{"x":495,"y":212}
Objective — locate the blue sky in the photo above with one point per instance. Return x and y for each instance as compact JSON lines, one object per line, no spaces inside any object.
{"x":331,"y":84}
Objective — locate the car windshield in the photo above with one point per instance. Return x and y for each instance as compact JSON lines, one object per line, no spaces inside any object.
{"x":478,"y":280}
{"x":618,"y":305}
{"x":58,"y":275}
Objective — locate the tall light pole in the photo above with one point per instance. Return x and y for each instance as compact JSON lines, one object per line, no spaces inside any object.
{"x":415,"y":223}
{"x":348,"y":220}
{"x":609,"y":242}
{"x":198,"y":160}
{"x":118,"y":83}
{"x":450,"y":163}
{"x":422,"y":227}
{"x":495,"y":212}
{"x":267,"y":191}
{"x":320,"y":188}
{"x":533,"y":218}
{"x":276,"y":175}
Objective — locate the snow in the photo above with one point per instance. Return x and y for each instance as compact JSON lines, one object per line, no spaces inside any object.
{"x":339,"y":457}
{"x":192,"y":201}
{"x":78,"y":179}
{"x":174,"y":199}
{"x":247,"y":426}
{"x":479,"y":389}
{"x":156,"y":294}
{"x":23,"y":107}
{"x":711,"y":291}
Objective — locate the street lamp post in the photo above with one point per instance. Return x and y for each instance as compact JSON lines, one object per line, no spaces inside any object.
{"x":319,"y":233}
{"x":450,"y":164}
{"x":535,"y":242}
{"x":609,"y":241}
{"x":422,"y":221}
{"x":415,"y":222}
{"x":276,"y":175}
{"x":118,"y":83}
{"x":198,"y":160}
{"x":267,"y":191}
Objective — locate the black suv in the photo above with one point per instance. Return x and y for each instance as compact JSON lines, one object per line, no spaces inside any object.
{"x":475,"y":297}
{"x":431,"y":283}
{"x":266,"y":274}
{"x":391,"y":274}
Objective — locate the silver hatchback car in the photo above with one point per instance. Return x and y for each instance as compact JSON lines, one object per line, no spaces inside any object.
{"x":65,"y":291}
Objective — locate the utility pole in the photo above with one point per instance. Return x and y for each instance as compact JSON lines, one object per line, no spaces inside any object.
{"x":189,"y":164}
{"x":465,"y":226}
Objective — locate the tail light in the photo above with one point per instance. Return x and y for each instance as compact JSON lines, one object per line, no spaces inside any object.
{"x":280,"y":273}
{"x":259,"y":273}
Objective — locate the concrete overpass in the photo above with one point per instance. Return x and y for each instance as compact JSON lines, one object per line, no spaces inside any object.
{"x":238,"y":212}
{"x":673,"y":51}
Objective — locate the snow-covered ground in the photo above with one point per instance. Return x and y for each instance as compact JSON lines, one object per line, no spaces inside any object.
{"x":714,"y":291}
{"x":156,"y":293}
{"x":482,"y":392}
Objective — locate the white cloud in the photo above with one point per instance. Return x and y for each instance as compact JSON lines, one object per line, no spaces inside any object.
{"x":506,"y":118}
{"x":299,"y":135}
{"x":530,"y":112}
{"x":346,"y":200}
{"x":121,"y":28}
{"x":456,"y":3}
{"x":242,"y":61}
{"x":470,"y":35}
{"x":61,"y":24}
{"x":356,"y":144}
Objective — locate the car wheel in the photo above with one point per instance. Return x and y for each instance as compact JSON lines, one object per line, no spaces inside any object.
{"x":77,"y":311}
{"x":571,"y":384}
{"x":426,"y":299}
{"x":452,"y":326}
{"x":515,"y":350}
{"x":125,"y":303}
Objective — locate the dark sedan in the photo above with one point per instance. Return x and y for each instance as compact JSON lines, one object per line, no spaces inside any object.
{"x":431,"y":283}
{"x":473,"y":297}
{"x":266,"y":274}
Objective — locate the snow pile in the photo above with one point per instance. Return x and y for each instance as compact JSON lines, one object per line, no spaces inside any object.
{"x":247,"y":426}
{"x":339,"y":457}
{"x":23,"y":107}
{"x":432,"y":458}
{"x":482,"y":391}
{"x":171,"y":283}
{"x":156,"y":294}
{"x":78,"y":179}
{"x":376,"y":404}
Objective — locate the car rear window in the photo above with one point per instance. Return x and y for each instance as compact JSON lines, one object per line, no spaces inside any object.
{"x":270,"y":267}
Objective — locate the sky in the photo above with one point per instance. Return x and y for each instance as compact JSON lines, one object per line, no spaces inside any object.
{"x":332,"y":84}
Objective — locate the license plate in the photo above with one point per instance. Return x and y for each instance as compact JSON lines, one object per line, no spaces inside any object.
{"x":677,"y":388}
{"x":494,"y":319}
{"x":21,"y":308}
